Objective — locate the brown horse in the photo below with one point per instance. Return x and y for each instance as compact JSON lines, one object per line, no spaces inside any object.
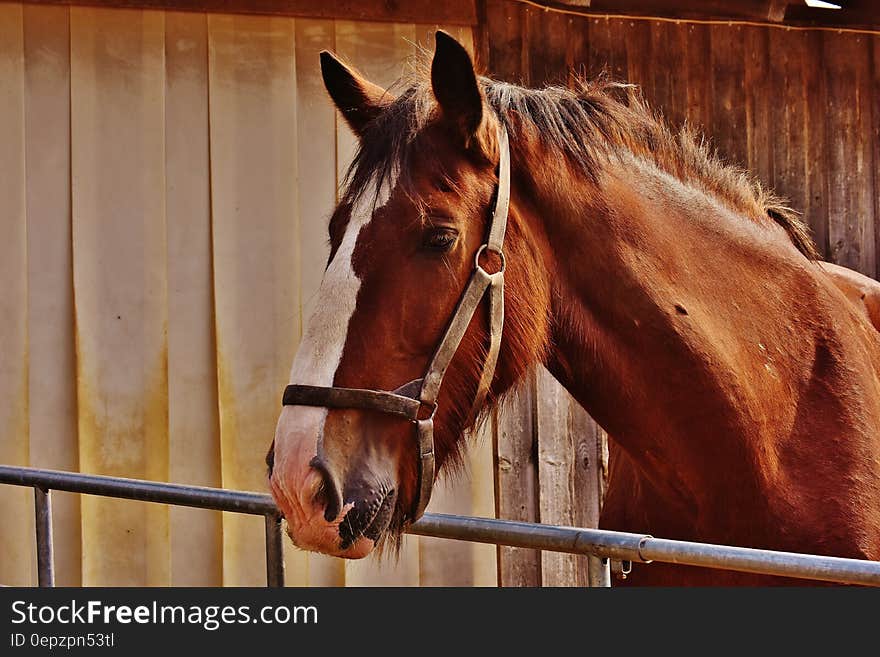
{"x":678,"y":302}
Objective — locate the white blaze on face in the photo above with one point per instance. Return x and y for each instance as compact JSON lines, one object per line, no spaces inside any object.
{"x":320,"y":350}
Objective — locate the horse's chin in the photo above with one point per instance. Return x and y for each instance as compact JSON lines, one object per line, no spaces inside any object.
{"x":358,"y":550}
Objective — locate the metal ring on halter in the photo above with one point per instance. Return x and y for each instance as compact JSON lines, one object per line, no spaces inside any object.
{"x":483,"y":249}
{"x":433,"y":405}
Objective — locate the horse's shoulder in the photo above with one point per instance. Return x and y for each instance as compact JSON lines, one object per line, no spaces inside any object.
{"x":861,"y":290}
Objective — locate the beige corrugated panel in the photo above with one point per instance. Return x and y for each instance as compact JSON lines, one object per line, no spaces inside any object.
{"x":167,"y":180}
{"x":120,"y":283}
{"x":256,"y":278}
{"x":193,"y":421}
{"x":16,"y":526}
{"x":51,"y":353}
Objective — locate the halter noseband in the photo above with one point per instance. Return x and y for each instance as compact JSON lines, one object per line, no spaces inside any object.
{"x":409,"y":399}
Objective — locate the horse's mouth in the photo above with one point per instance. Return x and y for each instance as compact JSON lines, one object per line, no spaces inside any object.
{"x":368,"y":521}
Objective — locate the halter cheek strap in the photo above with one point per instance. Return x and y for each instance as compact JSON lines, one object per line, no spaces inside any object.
{"x":409,"y":400}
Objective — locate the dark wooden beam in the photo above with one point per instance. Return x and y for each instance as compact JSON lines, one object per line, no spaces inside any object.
{"x":738,"y":9}
{"x":855,"y":13}
{"x":449,"y":12}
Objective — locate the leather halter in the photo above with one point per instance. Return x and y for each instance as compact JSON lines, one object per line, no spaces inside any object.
{"x":408,"y":400}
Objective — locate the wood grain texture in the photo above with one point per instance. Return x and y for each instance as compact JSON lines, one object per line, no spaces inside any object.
{"x":669,"y":61}
{"x":875,"y":139}
{"x":577,"y":51}
{"x":548,"y":36}
{"x":727,"y":78}
{"x":787,"y":55}
{"x":638,"y":57}
{"x":851,"y":194}
{"x":758,"y":133}
{"x":557,"y":465}
{"x":516,"y":477}
{"x":608,"y":54}
{"x":455,"y":12}
{"x":700,"y":109}
{"x":814,"y":201}
{"x":504,"y":25}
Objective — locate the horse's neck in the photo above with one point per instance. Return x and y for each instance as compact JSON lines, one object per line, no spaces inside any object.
{"x":672,"y":327}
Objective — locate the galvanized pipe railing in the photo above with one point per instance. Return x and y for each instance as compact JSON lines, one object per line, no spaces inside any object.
{"x":200,"y":497}
{"x":600,"y":543}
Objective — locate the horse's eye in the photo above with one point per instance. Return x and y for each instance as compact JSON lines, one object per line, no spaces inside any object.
{"x":440,"y":239}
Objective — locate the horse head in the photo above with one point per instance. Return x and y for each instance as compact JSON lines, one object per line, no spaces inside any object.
{"x":409,"y":232}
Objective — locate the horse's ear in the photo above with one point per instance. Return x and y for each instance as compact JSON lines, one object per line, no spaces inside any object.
{"x":358,"y":100}
{"x":455,"y":87}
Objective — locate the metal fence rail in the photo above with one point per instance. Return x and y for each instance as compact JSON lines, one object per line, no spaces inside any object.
{"x":591,"y":542}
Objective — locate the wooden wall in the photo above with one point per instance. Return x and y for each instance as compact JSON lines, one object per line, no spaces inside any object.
{"x":167,"y":177}
{"x":798,"y":108}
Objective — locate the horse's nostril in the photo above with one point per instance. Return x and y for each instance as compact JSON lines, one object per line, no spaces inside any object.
{"x":328,"y":494}
{"x":270,"y":458}
{"x":369,"y":517}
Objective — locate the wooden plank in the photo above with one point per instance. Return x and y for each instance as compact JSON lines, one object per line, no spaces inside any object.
{"x":758,"y":101}
{"x":815,"y":202}
{"x":788,"y":111}
{"x":850,"y":154}
{"x":638,"y":57}
{"x":742,"y":9}
{"x":516,"y":474}
{"x":577,"y":55}
{"x":608,"y":48}
{"x":852,"y":17}
{"x":590,"y":468}
{"x":252,"y":83}
{"x":589,"y":475}
{"x":548,"y":41}
{"x":669,"y":55}
{"x":481,"y":462}
{"x":700,"y":108}
{"x":728,"y":114}
{"x":16,"y":507}
{"x":875,"y":138}
{"x":120,"y":282}
{"x":504,"y":22}
{"x":455,"y":12}
{"x":52,"y":352}
{"x":316,"y":169}
{"x":557,"y":460}
{"x":193,"y":422}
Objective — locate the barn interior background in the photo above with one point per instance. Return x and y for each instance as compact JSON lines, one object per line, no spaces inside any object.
{"x":167,"y":168}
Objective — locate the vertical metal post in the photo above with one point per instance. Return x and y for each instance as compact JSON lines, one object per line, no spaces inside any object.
{"x":45,"y":550}
{"x":274,"y":551}
{"x":599,"y":571}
